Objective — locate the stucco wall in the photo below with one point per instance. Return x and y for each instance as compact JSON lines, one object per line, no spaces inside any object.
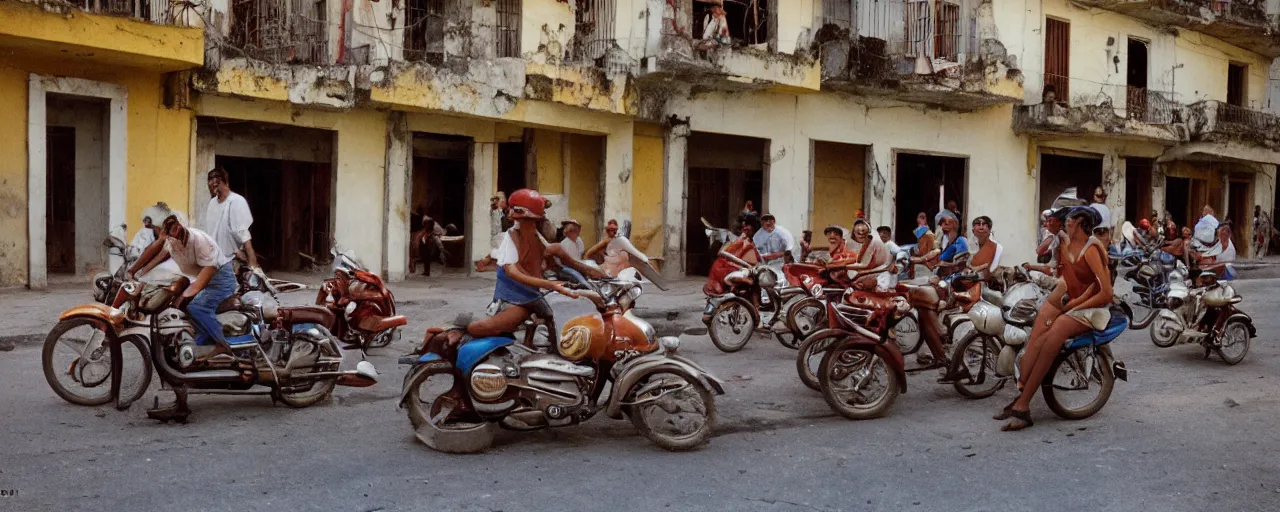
{"x":1000,"y":183}
{"x":158,"y":150}
{"x":646,"y":191}
{"x":839,"y":172}
{"x":1191,"y":65}
{"x":361,"y":152}
{"x":586,"y":154}
{"x":546,"y":29}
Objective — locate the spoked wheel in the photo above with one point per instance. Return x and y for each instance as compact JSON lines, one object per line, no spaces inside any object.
{"x":1164,"y":332}
{"x":812,"y":351}
{"x":907,"y":334}
{"x":77,"y":363}
{"x":781,"y":326}
{"x":302,"y":391}
{"x":431,"y":406}
{"x":978,"y":355}
{"x":732,"y":324}
{"x":1235,"y":342}
{"x":673,"y":410}
{"x":1078,"y":384}
{"x":857,"y":383}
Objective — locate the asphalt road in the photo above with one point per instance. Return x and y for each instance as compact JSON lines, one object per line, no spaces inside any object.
{"x":1184,"y":434}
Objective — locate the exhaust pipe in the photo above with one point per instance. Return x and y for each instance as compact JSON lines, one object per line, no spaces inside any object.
{"x":175,"y":377}
{"x":362,"y":377}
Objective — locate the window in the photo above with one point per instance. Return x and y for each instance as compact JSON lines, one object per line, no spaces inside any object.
{"x":508,"y":36}
{"x":594,"y":28}
{"x":424,"y":30}
{"x":1057,"y":57}
{"x":1136,"y":104}
{"x":932,"y":28}
{"x":748,"y":19}
{"x":281,"y":30}
{"x":1236,"y":76}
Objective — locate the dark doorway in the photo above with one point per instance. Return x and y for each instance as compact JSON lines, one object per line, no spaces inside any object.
{"x":724,"y":173}
{"x":60,"y":199}
{"x":1137,"y":189}
{"x":925,"y":183}
{"x":439,"y":188}
{"x":1177,"y":194}
{"x":1057,"y":58}
{"x":511,"y":167}
{"x":1240,"y":212}
{"x":1058,"y":172}
{"x":1136,"y":76}
{"x":1237,"y":75}
{"x":291,"y":203}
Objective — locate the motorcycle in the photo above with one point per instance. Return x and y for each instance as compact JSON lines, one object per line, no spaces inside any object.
{"x":999,"y":326}
{"x":460,"y":390}
{"x":1206,"y":314}
{"x":731,"y":316}
{"x":287,"y":353}
{"x":364,"y":308}
{"x":863,"y":375}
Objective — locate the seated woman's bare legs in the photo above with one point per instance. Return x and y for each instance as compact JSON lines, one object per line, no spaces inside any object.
{"x":1047,"y":315}
{"x":1050,"y":345}
{"x":505,"y":322}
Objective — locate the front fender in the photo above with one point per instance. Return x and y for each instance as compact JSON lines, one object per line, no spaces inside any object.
{"x":887,"y":351}
{"x":639,"y":367}
{"x":1240,"y":316}
{"x":111,"y":316}
{"x":427,"y":364}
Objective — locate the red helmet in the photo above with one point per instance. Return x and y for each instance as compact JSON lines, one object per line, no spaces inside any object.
{"x":527,"y":204}
{"x":1144,"y":224}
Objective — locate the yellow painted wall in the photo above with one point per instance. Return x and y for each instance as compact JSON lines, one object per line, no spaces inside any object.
{"x":114,"y":40}
{"x":647,"y":188}
{"x":839,"y":172}
{"x":550,"y":161}
{"x":361,"y":149}
{"x":586,"y":154}
{"x":158,"y":151}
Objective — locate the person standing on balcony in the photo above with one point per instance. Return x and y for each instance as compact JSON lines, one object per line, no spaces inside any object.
{"x":715,"y":27}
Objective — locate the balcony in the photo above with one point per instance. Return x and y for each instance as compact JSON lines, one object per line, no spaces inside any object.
{"x":101,"y":33}
{"x":744,"y":56}
{"x":1242,"y":23}
{"x":1223,"y":123}
{"x":1145,"y":115}
{"x":916,"y":51}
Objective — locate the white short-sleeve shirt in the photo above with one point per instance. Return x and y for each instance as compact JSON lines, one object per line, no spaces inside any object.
{"x":200,"y":251}
{"x":228,"y":223}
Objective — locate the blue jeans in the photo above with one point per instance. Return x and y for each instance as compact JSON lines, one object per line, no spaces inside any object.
{"x":204,"y":307}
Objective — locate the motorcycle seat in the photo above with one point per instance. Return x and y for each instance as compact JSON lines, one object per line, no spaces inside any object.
{"x":379,"y":324}
{"x":306,"y":314}
{"x":231,"y":304}
{"x":1118,"y":324}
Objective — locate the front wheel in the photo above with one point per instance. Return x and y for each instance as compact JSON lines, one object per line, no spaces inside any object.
{"x":1164,"y":332}
{"x":978,"y":355}
{"x":1234,"y":343}
{"x":1078,"y":384}
{"x":672,"y":409}
{"x":77,"y":363}
{"x":433,"y":408}
{"x":732,"y":324}
{"x":809,"y":359}
{"x":857,"y":383}
{"x":303,"y":391}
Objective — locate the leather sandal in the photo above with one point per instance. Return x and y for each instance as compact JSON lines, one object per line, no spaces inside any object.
{"x":1007,"y":412}
{"x":1023,"y":416}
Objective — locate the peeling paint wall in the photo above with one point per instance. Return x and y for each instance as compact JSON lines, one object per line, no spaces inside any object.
{"x":546,"y":29}
{"x":586,"y":159}
{"x":839,"y":175}
{"x":646,"y":189}
{"x":13,"y":179}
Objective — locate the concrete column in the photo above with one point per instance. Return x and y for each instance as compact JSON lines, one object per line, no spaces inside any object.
{"x":1113,"y":179}
{"x":617,"y":172}
{"x":788,"y":196}
{"x":674,"y":174}
{"x":879,"y":186}
{"x":1157,"y":189}
{"x":395,"y":218}
{"x":483,"y":164}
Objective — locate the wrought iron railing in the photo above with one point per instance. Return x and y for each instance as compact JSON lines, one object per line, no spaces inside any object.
{"x":165,"y":12}
{"x":938,"y":29}
{"x":507,"y":40}
{"x":1152,"y":107}
{"x":281,"y":31}
{"x":1228,"y":117}
{"x":593,"y":37}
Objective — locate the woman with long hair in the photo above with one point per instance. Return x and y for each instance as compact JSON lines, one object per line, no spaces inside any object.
{"x":1078,"y":304}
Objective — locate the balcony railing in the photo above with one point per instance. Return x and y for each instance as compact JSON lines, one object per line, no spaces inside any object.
{"x":281,"y":31}
{"x":1225,"y":118}
{"x":593,"y":35}
{"x":938,"y":29}
{"x":155,"y":11}
{"x":1151,"y":107}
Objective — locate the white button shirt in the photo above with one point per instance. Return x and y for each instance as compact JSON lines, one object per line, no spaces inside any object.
{"x":228,"y":223}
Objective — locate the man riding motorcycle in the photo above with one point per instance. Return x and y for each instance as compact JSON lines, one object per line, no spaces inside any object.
{"x":522,"y":257}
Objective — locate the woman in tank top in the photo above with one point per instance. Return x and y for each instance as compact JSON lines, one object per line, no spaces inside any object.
{"x":1078,"y":304}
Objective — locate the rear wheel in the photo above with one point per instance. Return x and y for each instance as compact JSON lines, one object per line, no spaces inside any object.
{"x":1234,"y":342}
{"x":780,"y":326}
{"x":732,"y":324}
{"x":430,"y":406}
{"x":1078,"y":384}
{"x":809,"y":359}
{"x":978,"y":355}
{"x":857,"y":383}
{"x":300,"y":390}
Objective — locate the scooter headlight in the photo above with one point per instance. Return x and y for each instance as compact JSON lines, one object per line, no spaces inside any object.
{"x":669,"y":344}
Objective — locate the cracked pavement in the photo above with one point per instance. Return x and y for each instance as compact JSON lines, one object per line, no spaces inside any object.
{"x":1184,"y":434}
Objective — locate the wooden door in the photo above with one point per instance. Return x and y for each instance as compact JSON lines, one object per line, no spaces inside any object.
{"x":60,"y":199}
{"x":708,"y":197}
